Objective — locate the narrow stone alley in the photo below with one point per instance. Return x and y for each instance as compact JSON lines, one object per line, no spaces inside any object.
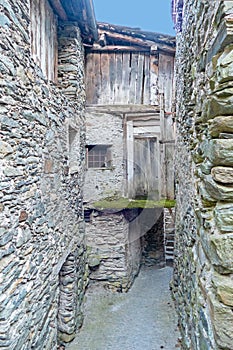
{"x":144,"y":318}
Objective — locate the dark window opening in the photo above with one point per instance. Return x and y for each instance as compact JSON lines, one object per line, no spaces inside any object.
{"x":98,"y":156}
{"x":87,"y":215}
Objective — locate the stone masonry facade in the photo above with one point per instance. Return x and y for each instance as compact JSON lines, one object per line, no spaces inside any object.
{"x":120,"y":241}
{"x":105,"y":128}
{"x":113,"y":243}
{"x":43,"y":269}
{"x":203,"y":274}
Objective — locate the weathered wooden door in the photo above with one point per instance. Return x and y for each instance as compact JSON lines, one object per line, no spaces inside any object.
{"x":146,"y":168}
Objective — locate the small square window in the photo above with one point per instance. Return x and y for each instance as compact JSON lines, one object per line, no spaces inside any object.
{"x":98,"y":156}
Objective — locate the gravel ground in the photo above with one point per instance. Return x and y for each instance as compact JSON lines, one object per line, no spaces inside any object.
{"x":142,"y":319}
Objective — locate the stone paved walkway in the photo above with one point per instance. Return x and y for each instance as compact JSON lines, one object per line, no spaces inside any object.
{"x":142,"y":319}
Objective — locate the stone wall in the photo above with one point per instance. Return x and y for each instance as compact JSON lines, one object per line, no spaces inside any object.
{"x":42,"y":251}
{"x":114,"y":248}
{"x":105,"y":129}
{"x":119,"y":241}
{"x":203,"y":283}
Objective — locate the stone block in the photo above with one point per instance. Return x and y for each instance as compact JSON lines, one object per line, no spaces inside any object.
{"x":5,"y":261}
{"x":23,"y":216}
{"x":9,"y":123}
{"x":203,"y":339}
{"x":224,"y":288}
{"x":224,"y":135}
{"x":222,"y":320}
{"x":207,"y":200}
{"x":222,"y":174}
{"x":218,"y":191}
{"x":74,"y":168}
{"x":48,"y":166}
{"x":5,"y":236}
{"x":5,"y":149}
{"x":220,"y":253}
{"x":224,"y":217}
{"x":221,"y":124}
{"x":220,"y":152}
{"x":225,"y":66}
{"x":13,"y":172}
{"x":206,"y":167}
{"x":228,"y":6}
{"x":220,"y":104}
{"x":94,"y":261}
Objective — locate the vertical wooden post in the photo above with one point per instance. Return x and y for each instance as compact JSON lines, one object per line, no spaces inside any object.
{"x":130,"y":157}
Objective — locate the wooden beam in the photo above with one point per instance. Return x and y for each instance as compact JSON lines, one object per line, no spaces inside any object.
{"x":118,"y":48}
{"x":138,"y":33}
{"x":82,"y":11}
{"x":58,"y":8}
{"x":125,"y":39}
{"x":122,"y":42}
{"x":125,"y":109}
{"x":122,"y":48}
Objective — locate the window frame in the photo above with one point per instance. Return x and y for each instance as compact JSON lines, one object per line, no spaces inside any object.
{"x":101,"y":157}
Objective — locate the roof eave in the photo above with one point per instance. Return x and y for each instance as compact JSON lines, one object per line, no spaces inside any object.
{"x":134,"y":36}
{"x":80,"y":11}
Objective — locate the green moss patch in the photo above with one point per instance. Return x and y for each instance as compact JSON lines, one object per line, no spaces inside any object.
{"x":124,"y":203}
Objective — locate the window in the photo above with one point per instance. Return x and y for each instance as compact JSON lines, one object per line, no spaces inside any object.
{"x":44,"y":37}
{"x":87,"y":215}
{"x":98,"y":156}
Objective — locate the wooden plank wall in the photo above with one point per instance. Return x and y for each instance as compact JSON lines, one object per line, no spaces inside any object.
{"x":118,"y":78}
{"x":165,"y":79}
{"x":152,"y":84}
{"x":44,"y":37}
{"x":166,"y":90}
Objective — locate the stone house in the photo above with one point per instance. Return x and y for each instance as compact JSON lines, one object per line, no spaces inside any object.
{"x":129,"y":147}
{"x":43,"y":268}
{"x":203,"y":283}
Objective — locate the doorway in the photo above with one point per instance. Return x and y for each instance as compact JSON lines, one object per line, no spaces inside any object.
{"x":146,"y":168}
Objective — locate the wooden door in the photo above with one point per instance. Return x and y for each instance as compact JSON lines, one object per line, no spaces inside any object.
{"x":146,"y":168}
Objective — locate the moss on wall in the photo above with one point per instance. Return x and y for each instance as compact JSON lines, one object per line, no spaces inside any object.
{"x":123,"y":203}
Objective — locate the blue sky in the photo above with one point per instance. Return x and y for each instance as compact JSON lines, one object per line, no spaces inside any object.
{"x":150,"y":15}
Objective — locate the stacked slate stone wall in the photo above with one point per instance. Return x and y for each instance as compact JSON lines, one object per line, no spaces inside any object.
{"x":203,"y":275}
{"x":114,"y":248}
{"x":119,"y":241}
{"x":105,"y":129}
{"x":43,"y":267}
